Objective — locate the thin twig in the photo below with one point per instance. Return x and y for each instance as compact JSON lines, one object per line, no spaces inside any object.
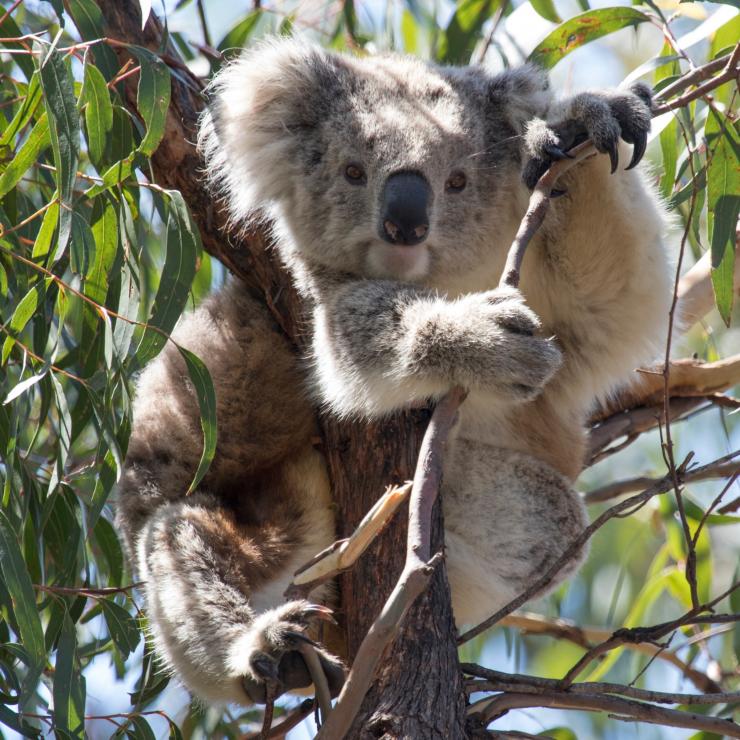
{"x":623,"y":709}
{"x":500,"y":681}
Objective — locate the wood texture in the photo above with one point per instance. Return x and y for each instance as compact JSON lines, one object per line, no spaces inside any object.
{"x":419,"y":691}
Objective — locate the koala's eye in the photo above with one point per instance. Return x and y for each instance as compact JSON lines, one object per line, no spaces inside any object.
{"x":355,"y":174}
{"x":456,"y":182}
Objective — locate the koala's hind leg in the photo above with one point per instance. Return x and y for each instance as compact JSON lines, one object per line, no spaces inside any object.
{"x":216,"y":563}
{"x":214,"y":578}
{"x":507,"y":517}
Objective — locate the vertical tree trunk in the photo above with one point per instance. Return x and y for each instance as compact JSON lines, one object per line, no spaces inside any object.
{"x":418,"y":692}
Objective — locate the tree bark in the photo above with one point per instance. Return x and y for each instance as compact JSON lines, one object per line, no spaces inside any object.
{"x":418,"y":692}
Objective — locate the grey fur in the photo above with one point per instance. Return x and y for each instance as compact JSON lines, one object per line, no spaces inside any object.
{"x":391,"y":325}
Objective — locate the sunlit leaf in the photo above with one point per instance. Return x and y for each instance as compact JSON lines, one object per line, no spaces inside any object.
{"x":464,"y":30}
{"x":69,"y":683}
{"x":723,"y":194}
{"x":582,"y":29}
{"x":64,"y":128}
{"x":20,"y":588}
{"x":122,"y":627}
{"x":203,"y":386}
{"x":98,"y":112}
{"x":546,"y":8}
{"x":38,"y":140}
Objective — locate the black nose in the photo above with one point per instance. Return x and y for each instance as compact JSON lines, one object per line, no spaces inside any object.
{"x":403,"y":209}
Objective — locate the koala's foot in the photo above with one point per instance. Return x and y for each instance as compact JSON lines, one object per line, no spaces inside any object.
{"x":273,"y":656}
{"x":504,"y":352}
{"x":602,"y":117}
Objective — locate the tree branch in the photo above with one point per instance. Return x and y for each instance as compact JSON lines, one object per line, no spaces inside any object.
{"x":415,"y":575}
{"x":626,"y":710}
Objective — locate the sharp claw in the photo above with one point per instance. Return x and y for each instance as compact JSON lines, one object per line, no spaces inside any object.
{"x":320,"y":612}
{"x":300,"y":637}
{"x":557,"y":153}
{"x":638,"y":151}
{"x":614,"y":156}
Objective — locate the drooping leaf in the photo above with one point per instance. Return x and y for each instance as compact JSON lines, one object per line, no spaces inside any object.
{"x":69,"y":683}
{"x":206,"y":395}
{"x":98,"y":112}
{"x":64,"y":128}
{"x":38,"y":140}
{"x":122,"y":627}
{"x":546,"y":8}
{"x":582,"y":29}
{"x":19,"y":587}
{"x":153,"y":98}
{"x":723,"y":193}
{"x":464,"y":30}
{"x":183,"y":246}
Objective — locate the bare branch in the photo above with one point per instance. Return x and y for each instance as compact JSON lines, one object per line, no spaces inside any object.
{"x":707,"y":472}
{"x":626,"y":710}
{"x":500,"y":681}
{"x":587,"y":637}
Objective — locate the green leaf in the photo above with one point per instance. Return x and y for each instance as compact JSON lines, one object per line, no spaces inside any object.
{"x":206,"y":394}
{"x":25,"y":111}
{"x":45,"y":236}
{"x":546,"y":8}
{"x":153,"y":98}
{"x":23,"y":313}
{"x":237,"y":37}
{"x":580,"y":30}
{"x":82,"y":252}
{"x":19,"y":586}
{"x":122,"y":627}
{"x":69,"y":684}
{"x":64,"y":127}
{"x":107,"y":540}
{"x":464,"y":29}
{"x":183,"y":246}
{"x":38,"y":140}
{"x":24,"y":385}
{"x":723,"y":193}
{"x":98,"y":112}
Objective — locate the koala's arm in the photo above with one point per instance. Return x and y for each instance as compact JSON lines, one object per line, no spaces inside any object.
{"x":597,"y":273}
{"x":215,"y":563}
{"x":379,"y":345}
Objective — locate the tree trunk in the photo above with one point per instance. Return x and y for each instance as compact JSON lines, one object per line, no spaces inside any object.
{"x":418,"y":693}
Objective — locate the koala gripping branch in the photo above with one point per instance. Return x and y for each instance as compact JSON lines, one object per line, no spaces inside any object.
{"x":362,"y":458}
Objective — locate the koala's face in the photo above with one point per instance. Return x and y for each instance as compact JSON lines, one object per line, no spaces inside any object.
{"x":380,"y":167}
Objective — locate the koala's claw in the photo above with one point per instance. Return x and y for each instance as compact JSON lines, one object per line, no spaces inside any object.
{"x":602,"y":117}
{"x":275,"y":664}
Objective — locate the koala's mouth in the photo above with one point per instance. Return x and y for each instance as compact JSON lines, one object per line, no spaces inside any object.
{"x":398,"y":262}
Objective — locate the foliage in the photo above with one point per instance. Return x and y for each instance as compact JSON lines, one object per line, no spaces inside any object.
{"x":97,"y":263}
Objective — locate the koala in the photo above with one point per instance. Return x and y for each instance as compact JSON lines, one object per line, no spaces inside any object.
{"x":395,"y":188}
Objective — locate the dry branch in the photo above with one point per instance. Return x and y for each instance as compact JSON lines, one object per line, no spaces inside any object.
{"x":620,"y":487}
{"x":626,"y":710}
{"x":587,"y":637}
{"x":500,"y":681}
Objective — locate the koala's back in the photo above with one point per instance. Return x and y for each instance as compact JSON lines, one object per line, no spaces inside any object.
{"x":263,"y":412}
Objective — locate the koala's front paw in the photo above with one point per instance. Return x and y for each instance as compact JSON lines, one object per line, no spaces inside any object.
{"x":601,"y":117}
{"x":273,"y":656}
{"x":505,"y":353}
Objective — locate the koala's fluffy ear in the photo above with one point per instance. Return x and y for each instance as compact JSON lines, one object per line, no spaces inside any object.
{"x":249,"y":137}
{"x":521,"y":93}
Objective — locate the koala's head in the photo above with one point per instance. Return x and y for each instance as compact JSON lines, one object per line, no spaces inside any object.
{"x":378,"y":166}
